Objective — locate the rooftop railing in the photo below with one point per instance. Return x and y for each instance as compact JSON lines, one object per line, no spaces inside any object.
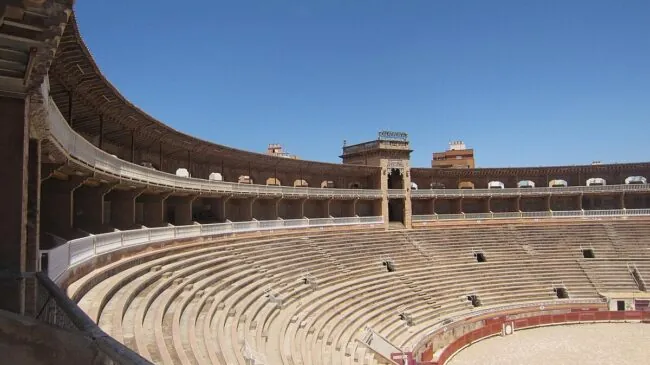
{"x":455,"y":193}
{"x":88,"y":154}
{"x":75,"y":252}
{"x":541,"y":214}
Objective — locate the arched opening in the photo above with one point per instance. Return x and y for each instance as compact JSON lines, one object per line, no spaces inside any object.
{"x":273,"y":181}
{"x":182,"y":172}
{"x":414,"y":186}
{"x":636,"y":180}
{"x":466,"y":185}
{"x":215,"y":176}
{"x":596,"y":181}
{"x":496,"y":185}
{"x":525,"y":184}
{"x":395,"y":179}
{"x":327,"y":184}
{"x":300,"y":183}
{"x":244,"y":179}
{"x":557,"y":183}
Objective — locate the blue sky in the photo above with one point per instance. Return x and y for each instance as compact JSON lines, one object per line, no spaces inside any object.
{"x":525,"y":83}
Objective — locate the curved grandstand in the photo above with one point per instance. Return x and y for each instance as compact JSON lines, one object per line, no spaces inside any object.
{"x":189,"y":252}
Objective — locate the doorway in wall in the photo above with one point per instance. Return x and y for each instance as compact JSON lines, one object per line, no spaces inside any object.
{"x":396,"y":210}
{"x":620,"y":305}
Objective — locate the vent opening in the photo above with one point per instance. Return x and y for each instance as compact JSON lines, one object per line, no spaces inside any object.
{"x":476,"y":302}
{"x":390,"y":267}
{"x":480,"y":257}
{"x":561,"y":293}
{"x":588,"y":253}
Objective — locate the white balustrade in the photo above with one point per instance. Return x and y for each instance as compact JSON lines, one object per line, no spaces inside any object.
{"x":441,"y":193}
{"x":87,"y":154}
{"x":541,"y":214}
{"x":75,"y":252}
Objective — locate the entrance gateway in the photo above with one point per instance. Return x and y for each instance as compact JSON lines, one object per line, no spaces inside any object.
{"x":392,"y":152}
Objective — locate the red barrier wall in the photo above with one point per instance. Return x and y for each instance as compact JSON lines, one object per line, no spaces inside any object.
{"x":494,"y":326}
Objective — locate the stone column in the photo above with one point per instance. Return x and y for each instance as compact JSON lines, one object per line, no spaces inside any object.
{"x":57,"y":207}
{"x":14,"y":196}
{"x":579,"y":201}
{"x":621,"y":201}
{"x":384,"y":192}
{"x":32,"y":254}
{"x":123,"y":207}
{"x":408,"y":209}
{"x":326,"y":207}
{"x":547,"y":200}
{"x":487,"y":206}
{"x":182,"y":206}
{"x":153,"y":209}
{"x":89,"y":207}
{"x":518,"y":203}
{"x":302,"y":208}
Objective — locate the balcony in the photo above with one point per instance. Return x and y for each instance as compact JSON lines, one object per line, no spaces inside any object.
{"x":86,"y":154}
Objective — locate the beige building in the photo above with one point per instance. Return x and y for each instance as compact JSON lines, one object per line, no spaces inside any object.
{"x":456,"y":156}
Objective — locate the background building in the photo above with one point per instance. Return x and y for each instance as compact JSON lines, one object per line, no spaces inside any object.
{"x":275,"y":149}
{"x":457,"y":156}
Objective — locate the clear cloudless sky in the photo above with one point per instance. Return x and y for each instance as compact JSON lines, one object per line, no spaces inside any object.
{"x":524,"y":83}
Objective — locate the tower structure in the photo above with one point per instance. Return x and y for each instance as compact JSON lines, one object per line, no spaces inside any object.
{"x":392,"y":152}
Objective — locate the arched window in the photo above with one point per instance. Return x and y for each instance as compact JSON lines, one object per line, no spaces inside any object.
{"x":244,"y":179}
{"x":636,"y":180}
{"x":215,"y":176}
{"x":300,"y":183}
{"x":496,"y":185}
{"x":596,"y":181}
{"x":526,"y":184}
{"x":414,"y":186}
{"x":466,"y":185}
{"x":557,"y":183}
{"x":354,"y":185}
{"x":273,"y":181}
{"x":182,"y":172}
{"x":327,"y":184}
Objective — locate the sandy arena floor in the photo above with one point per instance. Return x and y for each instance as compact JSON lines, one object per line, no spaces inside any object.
{"x":602,"y":343}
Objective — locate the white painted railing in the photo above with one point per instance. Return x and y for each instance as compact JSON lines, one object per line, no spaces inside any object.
{"x":542,"y":214}
{"x":86,"y":153}
{"x":442,"y":193}
{"x":71,"y":253}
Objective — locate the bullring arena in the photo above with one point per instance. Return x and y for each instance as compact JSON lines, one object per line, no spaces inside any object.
{"x":128,"y":242}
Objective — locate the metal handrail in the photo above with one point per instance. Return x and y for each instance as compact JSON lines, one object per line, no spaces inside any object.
{"x":77,"y":251}
{"x":436,"y":193}
{"x":540,"y":214}
{"x":87,"y":154}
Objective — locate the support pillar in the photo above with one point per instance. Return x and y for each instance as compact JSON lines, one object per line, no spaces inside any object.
{"x":123,"y":207}
{"x":153,"y":209}
{"x":182,"y":208}
{"x":433,"y":206}
{"x":621,"y":201}
{"x":354,"y":207}
{"x":57,"y":205}
{"x":248,"y":209}
{"x":89,"y":208}
{"x":302,"y":208}
{"x":14,"y":192}
{"x":579,"y":201}
{"x":547,"y":200}
{"x":518,"y":203}
{"x":32,"y":255}
{"x":329,"y":201}
{"x":487,"y":208}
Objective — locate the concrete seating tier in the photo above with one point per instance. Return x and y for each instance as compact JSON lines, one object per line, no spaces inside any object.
{"x":304,"y":298}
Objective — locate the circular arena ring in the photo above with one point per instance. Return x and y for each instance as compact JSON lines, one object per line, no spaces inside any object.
{"x":350,"y":293}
